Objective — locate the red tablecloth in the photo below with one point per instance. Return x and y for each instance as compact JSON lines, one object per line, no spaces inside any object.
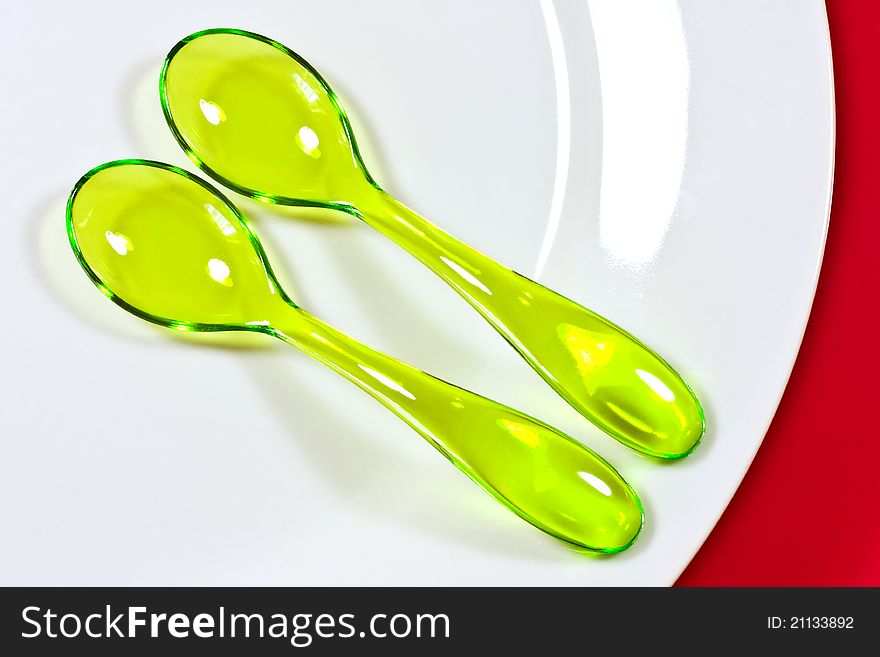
{"x":808,"y":511}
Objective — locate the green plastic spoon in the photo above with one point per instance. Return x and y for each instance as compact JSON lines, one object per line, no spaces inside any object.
{"x":259,"y":119}
{"x":169,"y":248}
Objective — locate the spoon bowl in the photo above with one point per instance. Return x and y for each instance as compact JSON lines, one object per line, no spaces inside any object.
{"x":208,"y":272}
{"x":259,"y":118}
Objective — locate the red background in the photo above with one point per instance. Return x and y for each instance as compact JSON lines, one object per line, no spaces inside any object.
{"x":808,"y":512}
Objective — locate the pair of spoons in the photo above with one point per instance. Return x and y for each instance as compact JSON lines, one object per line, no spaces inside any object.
{"x":173,"y":250}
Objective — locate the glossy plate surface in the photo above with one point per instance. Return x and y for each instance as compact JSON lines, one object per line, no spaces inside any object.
{"x":667,"y":164}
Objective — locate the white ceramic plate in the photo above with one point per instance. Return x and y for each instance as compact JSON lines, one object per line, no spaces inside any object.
{"x":667,"y":164}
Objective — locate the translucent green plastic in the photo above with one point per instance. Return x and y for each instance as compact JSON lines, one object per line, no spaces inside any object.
{"x":258,"y":119}
{"x":167,"y":247}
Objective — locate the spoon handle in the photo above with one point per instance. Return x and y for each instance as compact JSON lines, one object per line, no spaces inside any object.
{"x":606,"y":374}
{"x":546,"y":477}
